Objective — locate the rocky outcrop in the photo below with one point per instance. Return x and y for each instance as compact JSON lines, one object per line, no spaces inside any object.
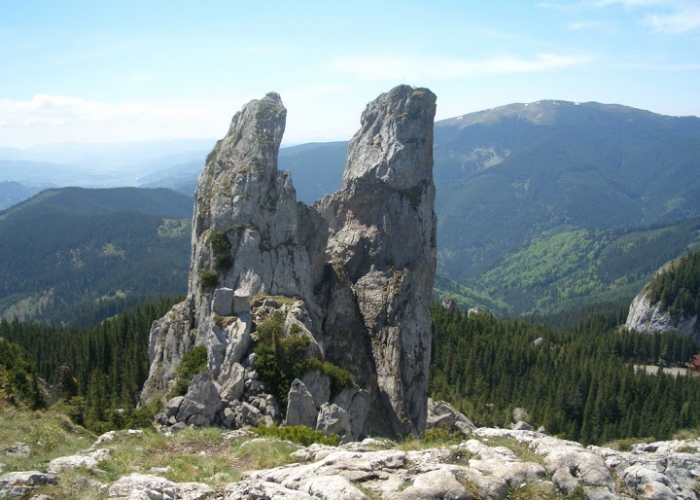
{"x":492,"y":464}
{"x":442,"y":415}
{"x":381,"y":260}
{"x":20,"y":484}
{"x":541,"y":467}
{"x":360,"y":263}
{"x":650,"y":318}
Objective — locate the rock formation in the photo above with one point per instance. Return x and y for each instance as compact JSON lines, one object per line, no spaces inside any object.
{"x":647,"y":317}
{"x":353,"y":274}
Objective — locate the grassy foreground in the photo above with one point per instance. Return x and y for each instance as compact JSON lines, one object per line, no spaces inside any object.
{"x":203,"y":455}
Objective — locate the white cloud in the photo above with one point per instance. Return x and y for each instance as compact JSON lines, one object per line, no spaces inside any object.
{"x":54,"y":118}
{"x":424,"y":68}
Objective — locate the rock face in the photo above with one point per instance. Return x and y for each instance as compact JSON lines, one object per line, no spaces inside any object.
{"x":382,"y":256}
{"x":360,"y":263}
{"x":647,"y":317}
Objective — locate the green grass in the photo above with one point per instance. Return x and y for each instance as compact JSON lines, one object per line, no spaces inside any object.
{"x":48,"y":434}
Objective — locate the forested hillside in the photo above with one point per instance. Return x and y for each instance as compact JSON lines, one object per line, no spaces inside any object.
{"x":95,"y":370}
{"x":579,"y":382}
{"x":571,"y":269}
{"x":677,"y":288}
{"x":77,"y":255}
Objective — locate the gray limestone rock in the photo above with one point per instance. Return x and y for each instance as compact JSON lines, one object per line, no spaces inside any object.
{"x":222,"y":304}
{"x":202,"y":400}
{"x":17,"y":450}
{"x":233,"y":387}
{"x":148,"y":487}
{"x":381,"y":252}
{"x":449,"y":304}
{"x":361,"y":264}
{"x":332,"y":419}
{"x":646,"y":317}
{"x":72,"y":462}
{"x":319,"y":385}
{"x":355,"y":402}
{"x":173,"y":406}
{"x":19,"y":484}
{"x":522,"y":426}
{"x":443,"y":414}
{"x":520,"y":414}
{"x":301,"y":409}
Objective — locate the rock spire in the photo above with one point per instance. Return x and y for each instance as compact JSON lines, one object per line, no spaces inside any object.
{"x":353,"y":273}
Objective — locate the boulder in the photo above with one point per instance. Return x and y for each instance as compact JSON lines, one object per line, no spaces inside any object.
{"x":20,"y":484}
{"x":149,"y":487}
{"x":332,"y":419}
{"x":72,"y":462}
{"x":201,"y":403}
{"x":233,"y":387}
{"x":173,"y":406}
{"x":17,"y":450}
{"x":355,"y":402}
{"x":301,"y":409}
{"x":442,"y":414}
{"x":222,"y":303}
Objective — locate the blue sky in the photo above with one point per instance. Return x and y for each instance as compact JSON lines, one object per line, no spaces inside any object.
{"x":106,"y":71}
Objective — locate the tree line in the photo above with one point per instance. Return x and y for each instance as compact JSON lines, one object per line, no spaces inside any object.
{"x":579,"y":382}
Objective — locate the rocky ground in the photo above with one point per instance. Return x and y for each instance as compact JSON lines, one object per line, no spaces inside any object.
{"x":488,"y":464}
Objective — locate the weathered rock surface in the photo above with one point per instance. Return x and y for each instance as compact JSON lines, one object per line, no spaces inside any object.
{"x":148,"y":487}
{"x":381,"y":252}
{"x":442,"y":414}
{"x":301,"y":409}
{"x":650,"y":318}
{"x":360,"y":262}
{"x":19,"y":484}
{"x":647,"y":317}
{"x":494,"y":463}
{"x":664,"y":470}
{"x":88,"y":460}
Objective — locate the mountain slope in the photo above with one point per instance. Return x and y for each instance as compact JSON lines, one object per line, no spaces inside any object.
{"x":567,"y":270}
{"x":510,"y":174}
{"x":13,"y":192}
{"x":69,"y":255}
{"x":670,"y":302}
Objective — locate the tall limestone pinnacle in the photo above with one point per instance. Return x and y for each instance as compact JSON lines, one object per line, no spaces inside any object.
{"x":359,"y":264}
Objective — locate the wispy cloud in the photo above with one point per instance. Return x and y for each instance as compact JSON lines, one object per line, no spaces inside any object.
{"x":667,"y":16}
{"x":48,"y":118}
{"x":423,"y":68}
{"x":681,"y":21}
{"x":58,"y":110}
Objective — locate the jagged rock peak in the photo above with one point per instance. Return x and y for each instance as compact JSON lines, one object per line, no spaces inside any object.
{"x":255,"y":131}
{"x":396,"y":131}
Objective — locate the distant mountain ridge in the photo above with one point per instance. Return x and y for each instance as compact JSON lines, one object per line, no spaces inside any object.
{"x":77,"y":255}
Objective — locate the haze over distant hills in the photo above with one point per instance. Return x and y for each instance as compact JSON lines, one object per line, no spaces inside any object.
{"x":509,"y":180}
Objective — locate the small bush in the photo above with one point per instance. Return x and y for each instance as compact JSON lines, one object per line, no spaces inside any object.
{"x":340,"y":378}
{"x":192,"y":363}
{"x":208,"y":279}
{"x":280,"y":360}
{"x":221,"y":248}
{"x":301,"y":434}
